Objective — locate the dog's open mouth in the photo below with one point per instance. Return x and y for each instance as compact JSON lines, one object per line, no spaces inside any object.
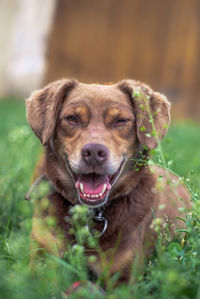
{"x":93,"y":188}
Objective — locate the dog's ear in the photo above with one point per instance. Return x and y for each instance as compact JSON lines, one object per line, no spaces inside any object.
{"x":152,"y":112}
{"x":43,"y":107}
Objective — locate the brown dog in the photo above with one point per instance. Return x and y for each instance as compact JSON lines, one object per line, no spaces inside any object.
{"x":90,"y":133}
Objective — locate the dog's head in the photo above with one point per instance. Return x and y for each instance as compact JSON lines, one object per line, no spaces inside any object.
{"x":93,"y":130}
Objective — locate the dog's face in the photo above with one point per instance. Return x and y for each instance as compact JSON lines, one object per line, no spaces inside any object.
{"x":94,"y":135}
{"x":95,"y":129}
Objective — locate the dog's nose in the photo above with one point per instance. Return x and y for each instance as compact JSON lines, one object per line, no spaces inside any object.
{"x":94,"y":154}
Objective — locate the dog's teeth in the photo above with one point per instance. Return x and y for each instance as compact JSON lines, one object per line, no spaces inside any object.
{"x":81,"y":187}
{"x":100,"y":194}
{"x":104,"y":189}
{"x":85,"y":195}
{"x":93,"y":196}
{"x":88,"y":195}
{"x":109,"y":186}
{"x":97,"y":196}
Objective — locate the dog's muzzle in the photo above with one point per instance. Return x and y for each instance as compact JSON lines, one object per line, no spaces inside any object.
{"x":94,"y":188}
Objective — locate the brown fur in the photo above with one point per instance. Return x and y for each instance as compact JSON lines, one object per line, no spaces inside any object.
{"x":136,"y":193}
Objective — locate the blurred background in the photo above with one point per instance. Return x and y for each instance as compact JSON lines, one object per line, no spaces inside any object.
{"x":154,"y":41}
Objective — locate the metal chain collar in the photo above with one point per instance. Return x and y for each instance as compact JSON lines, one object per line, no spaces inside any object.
{"x":99,"y":218}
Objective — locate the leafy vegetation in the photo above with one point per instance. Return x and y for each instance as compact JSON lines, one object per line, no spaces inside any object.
{"x":172,"y":272}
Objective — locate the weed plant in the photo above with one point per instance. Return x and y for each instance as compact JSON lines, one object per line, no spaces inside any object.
{"x":173,"y":271}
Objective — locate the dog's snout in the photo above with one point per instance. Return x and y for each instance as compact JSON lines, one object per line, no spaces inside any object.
{"x":94,"y":154}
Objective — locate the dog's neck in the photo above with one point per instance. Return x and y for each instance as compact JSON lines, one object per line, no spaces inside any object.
{"x":122,"y":214}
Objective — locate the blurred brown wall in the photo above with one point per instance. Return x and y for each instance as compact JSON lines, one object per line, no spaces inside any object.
{"x":155,"y":41}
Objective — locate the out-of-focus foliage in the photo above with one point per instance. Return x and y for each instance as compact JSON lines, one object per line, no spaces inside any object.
{"x":19,"y":150}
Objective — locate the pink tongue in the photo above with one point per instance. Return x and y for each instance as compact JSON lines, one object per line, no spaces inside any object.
{"x":93,"y":183}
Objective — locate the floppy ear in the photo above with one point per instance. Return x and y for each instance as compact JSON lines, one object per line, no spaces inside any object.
{"x":152,"y":111}
{"x":43,"y":107}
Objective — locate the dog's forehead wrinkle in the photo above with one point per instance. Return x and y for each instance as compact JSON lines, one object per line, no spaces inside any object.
{"x":96,"y":93}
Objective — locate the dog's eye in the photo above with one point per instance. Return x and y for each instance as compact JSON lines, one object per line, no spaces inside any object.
{"x":71,"y":119}
{"x":120,"y":121}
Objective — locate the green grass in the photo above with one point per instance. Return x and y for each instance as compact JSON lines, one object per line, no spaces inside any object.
{"x":173,"y":271}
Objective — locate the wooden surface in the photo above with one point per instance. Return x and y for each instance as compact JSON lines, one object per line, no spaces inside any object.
{"x":154,"y":41}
